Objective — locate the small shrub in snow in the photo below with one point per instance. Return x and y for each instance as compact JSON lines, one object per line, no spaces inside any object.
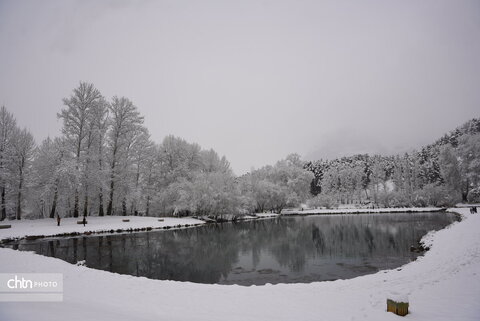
{"x":474,"y":195}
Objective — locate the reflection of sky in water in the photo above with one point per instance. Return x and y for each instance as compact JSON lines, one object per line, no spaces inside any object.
{"x":344,"y":261}
{"x":288,"y":249}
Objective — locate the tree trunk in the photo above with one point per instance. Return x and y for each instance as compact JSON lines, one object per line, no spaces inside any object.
{"x":19,"y":199}
{"x":112,"y":183}
{"x":85,"y":206}
{"x":100,"y":200}
{"x":124,"y":207}
{"x":100,"y":192}
{"x":3,"y":211}
{"x":465,"y":192}
{"x":147,"y":207}
{"x":3,"y":214}
{"x":42,"y":209}
{"x":85,"y":202}
{"x":55,"y":198}
{"x":75,"y":205}
{"x":110,"y":201}
{"x":69,"y":206}
{"x":77,"y":200}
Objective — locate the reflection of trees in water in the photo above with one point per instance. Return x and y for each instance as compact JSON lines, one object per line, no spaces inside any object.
{"x":208,"y":253}
{"x":318,"y":239}
{"x":369,"y":239}
{"x":391,"y":242}
{"x":199,"y":255}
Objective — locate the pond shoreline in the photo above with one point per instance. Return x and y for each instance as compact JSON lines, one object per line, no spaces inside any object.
{"x":27,"y":229}
{"x":363,"y":211}
{"x":316,"y":240}
{"x":178,"y":223}
{"x":444,"y":282}
{"x":167,"y":223}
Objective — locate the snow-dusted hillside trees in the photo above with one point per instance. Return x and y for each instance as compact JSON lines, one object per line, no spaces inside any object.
{"x":439,"y":174}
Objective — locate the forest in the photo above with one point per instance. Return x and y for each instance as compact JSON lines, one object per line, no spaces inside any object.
{"x":105,"y":163}
{"x":440,"y":174}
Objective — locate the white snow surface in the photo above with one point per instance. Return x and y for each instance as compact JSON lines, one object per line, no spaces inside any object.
{"x":361,"y":210}
{"x":442,"y":285}
{"x":266,"y":215}
{"x":48,"y":226}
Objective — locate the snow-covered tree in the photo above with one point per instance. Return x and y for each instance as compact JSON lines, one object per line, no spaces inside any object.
{"x":142,"y":159}
{"x":23,"y":153}
{"x":98,"y":174}
{"x":276,"y":187}
{"x":450,"y":170}
{"x":52,"y":178}
{"x":44,"y":167}
{"x":8,"y":128}
{"x":125,"y":124}
{"x":469,"y":164}
{"x":75,"y":117}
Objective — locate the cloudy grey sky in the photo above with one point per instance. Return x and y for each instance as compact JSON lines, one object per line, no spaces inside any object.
{"x":255,"y":80}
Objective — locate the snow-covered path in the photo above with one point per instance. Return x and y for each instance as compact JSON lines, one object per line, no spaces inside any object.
{"x":442,"y":285}
{"x":96,"y":224}
{"x":362,"y":210}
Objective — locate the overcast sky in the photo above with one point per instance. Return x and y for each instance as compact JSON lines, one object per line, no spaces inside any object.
{"x":254,"y":80}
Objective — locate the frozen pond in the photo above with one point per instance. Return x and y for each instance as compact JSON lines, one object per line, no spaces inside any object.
{"x":281,"y":250}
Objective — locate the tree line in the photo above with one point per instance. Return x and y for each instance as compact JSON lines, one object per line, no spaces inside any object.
{"x":105,"y":163}
{"x":439,"y":174}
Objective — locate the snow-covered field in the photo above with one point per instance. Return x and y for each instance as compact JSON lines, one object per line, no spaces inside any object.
{"x":442,"y":285}
{"x":48,"y":226}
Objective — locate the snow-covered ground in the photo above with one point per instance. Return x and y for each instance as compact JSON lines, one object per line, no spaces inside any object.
{"x":360,"y":210}
{"x":48,"y":226}
{"x":467,"y":205}
{"x":266,"y":215}
{"x":442,"y":285}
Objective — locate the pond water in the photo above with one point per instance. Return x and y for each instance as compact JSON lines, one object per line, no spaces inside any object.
{"x":282,"y":250}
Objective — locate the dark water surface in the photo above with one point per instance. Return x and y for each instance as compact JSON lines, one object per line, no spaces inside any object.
{"x":281,"y":250}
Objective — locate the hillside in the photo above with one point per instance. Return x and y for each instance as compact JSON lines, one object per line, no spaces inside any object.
{"x":437,"y":174}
